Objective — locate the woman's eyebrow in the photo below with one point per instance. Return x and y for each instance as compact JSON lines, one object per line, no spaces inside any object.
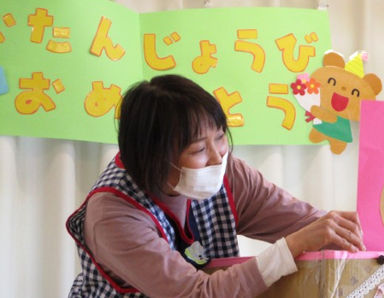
{"x":204,"y":137}
{"x":198,"y":140}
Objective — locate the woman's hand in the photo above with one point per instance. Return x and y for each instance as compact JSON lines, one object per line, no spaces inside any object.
{"x":337,"y":228}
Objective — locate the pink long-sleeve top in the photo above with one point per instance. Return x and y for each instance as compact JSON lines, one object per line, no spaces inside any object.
{"x":126,"y":242}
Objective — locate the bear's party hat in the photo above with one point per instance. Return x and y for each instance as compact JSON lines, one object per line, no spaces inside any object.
{"x":355,"y":63}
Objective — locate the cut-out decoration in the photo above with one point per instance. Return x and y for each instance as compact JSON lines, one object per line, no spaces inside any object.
{"x":2,"y":37}
{"x":227,"y":101}
{"x":205,"y":61}
{"x":39,"y":21}
{"x":28,"y":102}
{"x":175,"y":36}
{"x":331,"y":97}
{"x":102,"y":41}
{"x":58,"y":86}
{"x":287,"y":107}
{"x":101,"y":100}
{"x":9,"y":20}
{"x":257,"y":52}
{"x":370,"y":191}
{"x":3,"y":82}
{"x":247,"y":34}
{"x":167,"y":40}
{"x":307,"y":99}
{"x":59,"y":47}
{"x":287,"y":46}
{"x":151,"y":57}
{"x":61,"y":32}
{"x":278,"y":88}
{"x":312,"y":37}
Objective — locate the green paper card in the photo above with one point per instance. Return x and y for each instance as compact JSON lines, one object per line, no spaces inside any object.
{"x":67,"y":66}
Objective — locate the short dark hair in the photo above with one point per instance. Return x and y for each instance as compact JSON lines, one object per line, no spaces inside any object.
{"x":158,"y":120}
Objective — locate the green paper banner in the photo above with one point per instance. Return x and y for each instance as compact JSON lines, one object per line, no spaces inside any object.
{"x":65,"y":66}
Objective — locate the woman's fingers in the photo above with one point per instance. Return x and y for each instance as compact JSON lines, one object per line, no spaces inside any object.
{"x":346,"y":225}
{"x":344,"y":244}
{"x":336,"y":228}
{"x":350,"y":239}
{"x":349,"y":220}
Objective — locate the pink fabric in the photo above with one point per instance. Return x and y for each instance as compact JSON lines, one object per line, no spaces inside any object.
{"x":126,"y":243}
{"x":338,"y":254}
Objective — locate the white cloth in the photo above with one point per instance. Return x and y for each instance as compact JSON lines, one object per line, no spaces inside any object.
{"x":275,"y":262}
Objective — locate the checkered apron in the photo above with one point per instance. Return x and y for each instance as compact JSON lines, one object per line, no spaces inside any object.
{"x":215,"y":219}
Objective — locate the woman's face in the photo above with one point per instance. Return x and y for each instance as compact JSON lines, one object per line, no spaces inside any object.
{"x":207,"y":150}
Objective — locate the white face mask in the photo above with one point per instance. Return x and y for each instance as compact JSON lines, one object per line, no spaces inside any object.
{"x":200,"y":184}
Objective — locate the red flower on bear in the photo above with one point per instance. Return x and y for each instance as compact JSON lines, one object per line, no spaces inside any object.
{"x":298,"y":87}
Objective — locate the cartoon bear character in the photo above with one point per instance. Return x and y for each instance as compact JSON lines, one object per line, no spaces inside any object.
{"x":342,"y":87}
{"x":332,"y":96}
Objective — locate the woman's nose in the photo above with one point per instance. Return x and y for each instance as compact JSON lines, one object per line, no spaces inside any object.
{"x":215,"y":158}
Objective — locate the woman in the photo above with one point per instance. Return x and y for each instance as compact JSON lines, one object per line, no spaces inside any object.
{"x":175,"y":197}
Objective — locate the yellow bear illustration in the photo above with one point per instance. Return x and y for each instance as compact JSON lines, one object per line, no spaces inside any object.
{"x":342,"y":87}
{"x":331,"y":97}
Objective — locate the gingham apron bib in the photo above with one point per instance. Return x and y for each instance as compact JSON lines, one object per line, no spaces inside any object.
{"x":215,"y":220}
